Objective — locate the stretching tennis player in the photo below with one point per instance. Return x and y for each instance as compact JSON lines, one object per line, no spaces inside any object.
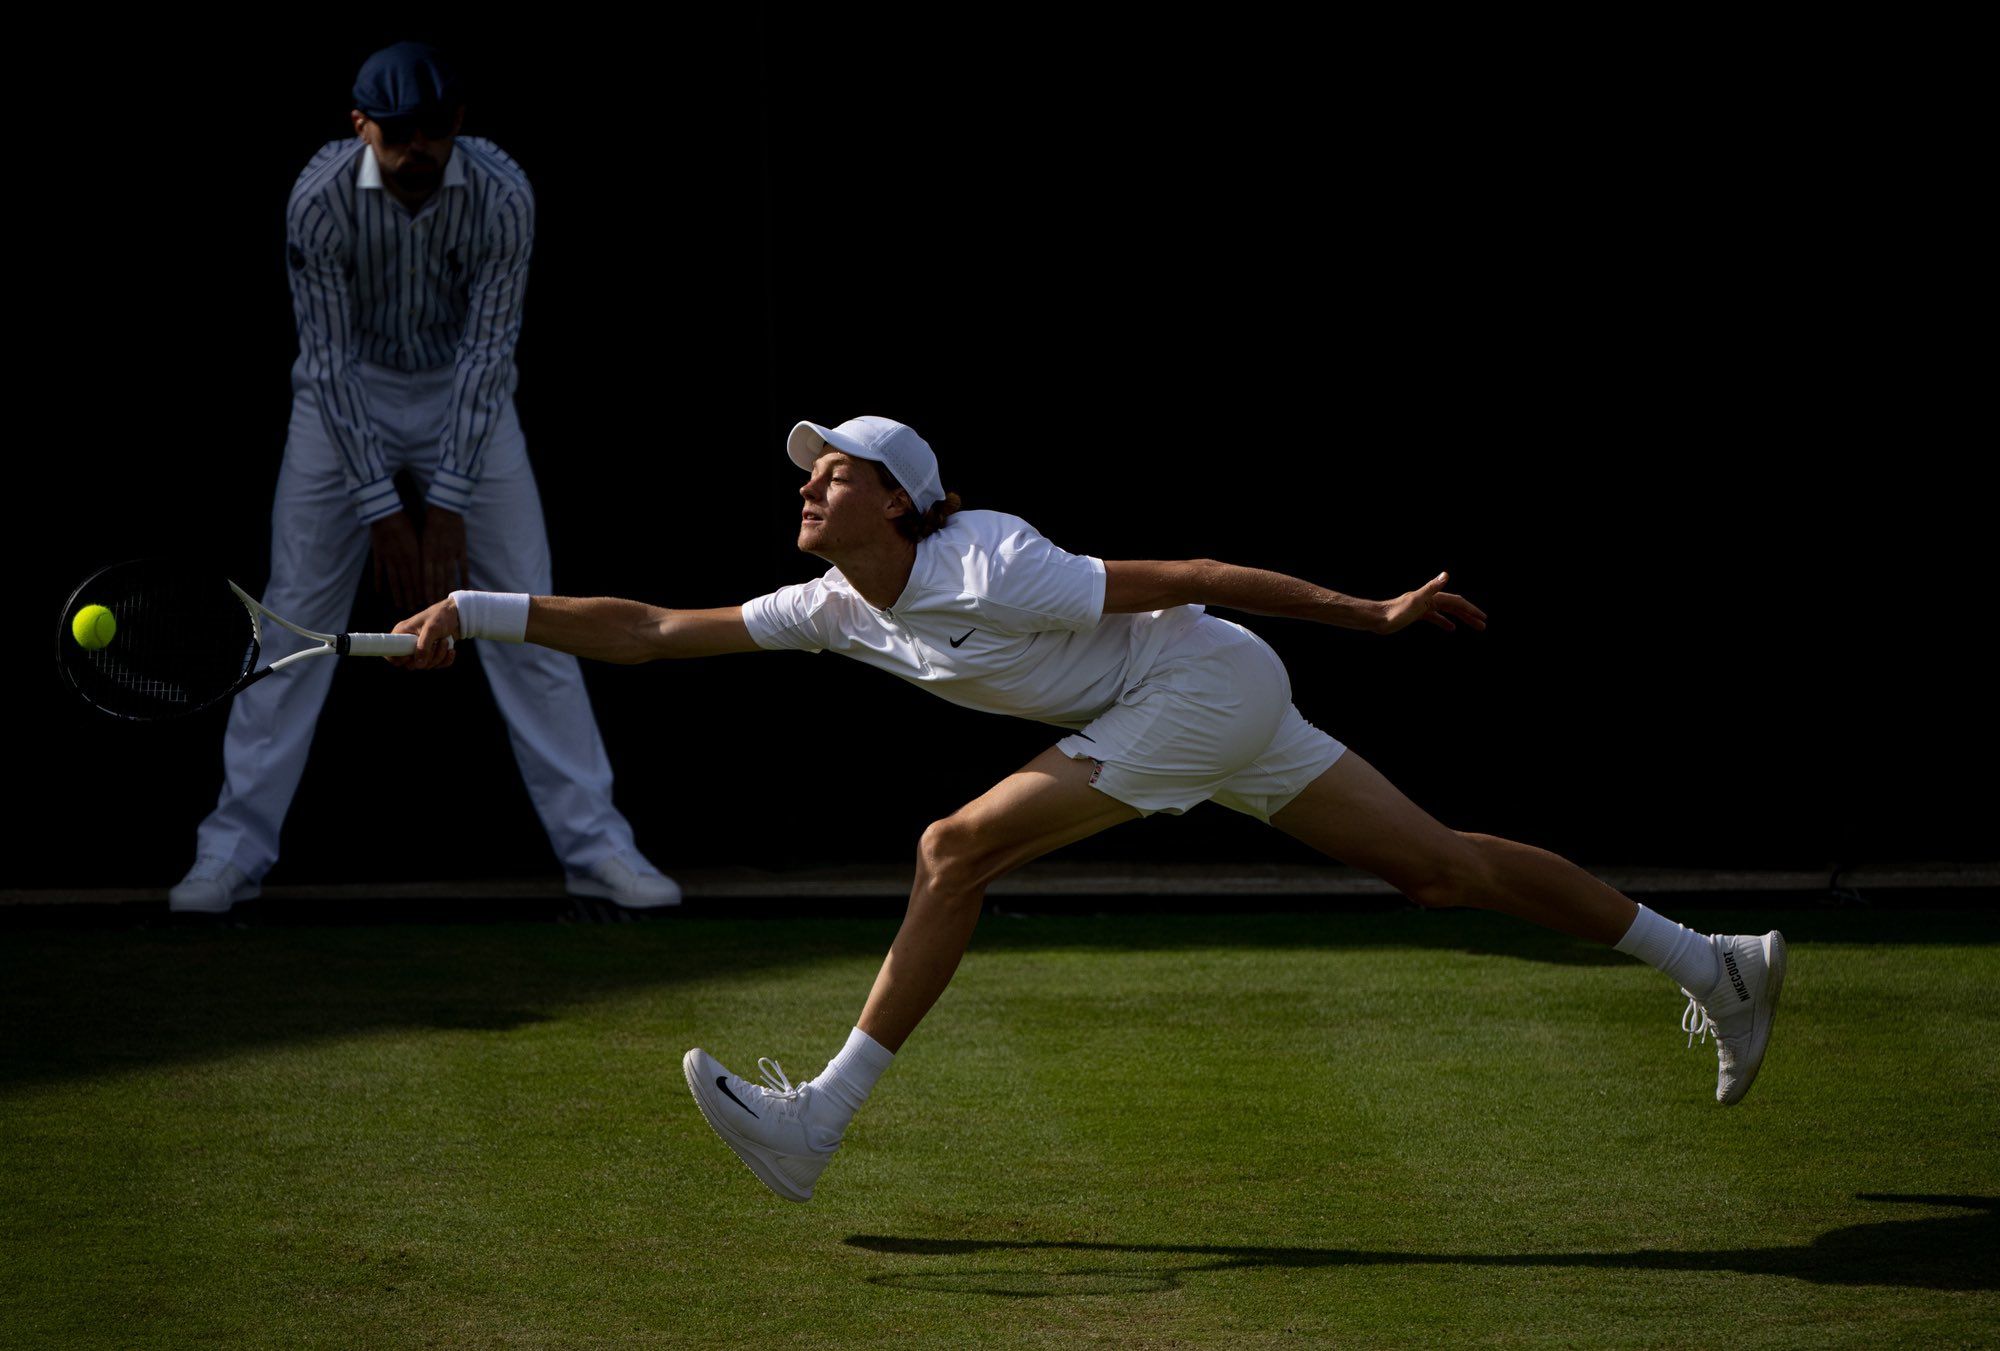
{"x":1165,"y":706}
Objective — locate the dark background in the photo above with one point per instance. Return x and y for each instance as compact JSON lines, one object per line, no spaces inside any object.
{"x":1650,"y":337}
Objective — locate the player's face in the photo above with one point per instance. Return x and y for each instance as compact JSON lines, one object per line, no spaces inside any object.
{"x":845,"y":505}
{"x":412,"y":151}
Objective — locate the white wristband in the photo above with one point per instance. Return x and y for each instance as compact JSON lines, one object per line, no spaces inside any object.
{"x":492,"y":615}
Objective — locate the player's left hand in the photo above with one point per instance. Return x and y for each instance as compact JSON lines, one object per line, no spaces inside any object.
{"x":1432,"y":604}
{"x":435,"y":629}
{"x":443,"y":552}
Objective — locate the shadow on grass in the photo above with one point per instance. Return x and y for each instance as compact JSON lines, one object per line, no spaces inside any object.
{"x":79,"y":1003}
{"x":1959,"y":1252}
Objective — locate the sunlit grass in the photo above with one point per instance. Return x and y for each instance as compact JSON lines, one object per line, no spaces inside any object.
{"x":1140,"y":1130}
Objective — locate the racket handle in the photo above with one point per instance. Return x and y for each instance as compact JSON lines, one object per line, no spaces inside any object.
{"x":382,"y":644}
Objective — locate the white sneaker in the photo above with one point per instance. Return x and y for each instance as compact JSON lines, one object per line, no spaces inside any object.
{"x":1739,"y":1009}
{"x":210,"y":888}
{"x":626,"y":880}
{"x":770,"y":1128}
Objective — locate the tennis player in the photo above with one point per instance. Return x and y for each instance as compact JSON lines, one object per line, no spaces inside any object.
{"x":1164,"y":706}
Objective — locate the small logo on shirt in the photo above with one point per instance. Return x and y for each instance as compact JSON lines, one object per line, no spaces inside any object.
{"x":963,"y":636}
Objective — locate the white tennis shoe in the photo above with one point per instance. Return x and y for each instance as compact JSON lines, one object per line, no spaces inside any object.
{"x":624,"y":879}
{"x":211,"y":886}
{"x":771,"y":1125}
{"x":1739,"y":1010}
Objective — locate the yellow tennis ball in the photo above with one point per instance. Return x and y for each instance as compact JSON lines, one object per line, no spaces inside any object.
{"x":93,"y":627}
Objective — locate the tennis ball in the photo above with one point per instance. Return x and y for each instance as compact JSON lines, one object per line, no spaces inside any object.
{"x":93,"y":627}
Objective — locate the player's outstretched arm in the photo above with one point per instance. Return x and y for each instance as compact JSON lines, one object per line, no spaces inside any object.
{"x":629,"y":631}
{"x":602,"y":628}
{"x":1131,"y":587}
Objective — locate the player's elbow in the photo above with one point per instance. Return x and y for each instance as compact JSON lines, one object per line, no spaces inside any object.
{"x":654,"y":638}
{"x":1136,"y":587}
{"x":1198,"y":580}
{"x":1190,"y":582}
{"x":673,"y":634}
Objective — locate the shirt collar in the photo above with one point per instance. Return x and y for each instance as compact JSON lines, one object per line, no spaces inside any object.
{"x":371,"y":169}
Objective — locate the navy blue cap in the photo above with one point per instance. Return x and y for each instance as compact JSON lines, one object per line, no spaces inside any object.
{"x":405,"y":80}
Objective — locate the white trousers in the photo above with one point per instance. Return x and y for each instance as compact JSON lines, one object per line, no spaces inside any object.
{"x":318,"y":551}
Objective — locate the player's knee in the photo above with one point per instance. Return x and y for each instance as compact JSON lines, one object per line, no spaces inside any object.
{"x":1433,"y":890}
{"x":948,"y":859}
{"x":1459,"y":875}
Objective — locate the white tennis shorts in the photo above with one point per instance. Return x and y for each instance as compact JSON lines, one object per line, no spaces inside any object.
{"x":1212,"y":720}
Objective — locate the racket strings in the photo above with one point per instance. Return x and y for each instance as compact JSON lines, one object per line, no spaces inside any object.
{"x":182,"y":641}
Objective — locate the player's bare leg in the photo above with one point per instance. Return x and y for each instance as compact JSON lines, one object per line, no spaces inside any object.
{"x":1732,"y":981}
{"x":787,"y":1134}
{"x":1047,"y":804}
{"x":1352,"y":813}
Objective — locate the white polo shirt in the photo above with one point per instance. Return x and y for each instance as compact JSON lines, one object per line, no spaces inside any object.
{"x":994,"y":617}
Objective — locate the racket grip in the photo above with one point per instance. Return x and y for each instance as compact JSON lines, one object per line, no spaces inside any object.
{"x":381,"y":644}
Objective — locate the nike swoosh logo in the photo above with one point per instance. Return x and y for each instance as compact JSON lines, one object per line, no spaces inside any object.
{"x":963,"y":636}
{"x":722,"y":1083}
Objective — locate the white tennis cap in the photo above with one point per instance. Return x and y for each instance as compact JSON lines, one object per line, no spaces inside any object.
{"x":908,"y":456}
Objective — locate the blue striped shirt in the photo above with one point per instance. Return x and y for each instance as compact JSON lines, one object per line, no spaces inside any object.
{"x":372,"y":283}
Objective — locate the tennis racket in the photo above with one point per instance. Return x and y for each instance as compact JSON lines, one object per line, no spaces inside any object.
{"x":186,"y":638}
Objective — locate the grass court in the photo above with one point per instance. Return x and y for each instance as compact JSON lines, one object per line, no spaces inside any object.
{"x":1368,"y":1129}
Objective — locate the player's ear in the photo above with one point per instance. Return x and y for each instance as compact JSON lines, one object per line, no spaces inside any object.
{"x":900,"y":504}
{"x":360,"y":119}
{"x":458,"y":119}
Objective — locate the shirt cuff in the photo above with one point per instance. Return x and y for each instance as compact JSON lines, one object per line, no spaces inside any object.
{"x":451,"y":490}
{"x":1098,"y":583}
{"x":373,"y":501}
{"x":756,"y":618}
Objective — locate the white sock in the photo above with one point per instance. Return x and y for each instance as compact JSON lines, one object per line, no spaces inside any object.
{"x":850,"y":1076}
{"x":1682,"y":953}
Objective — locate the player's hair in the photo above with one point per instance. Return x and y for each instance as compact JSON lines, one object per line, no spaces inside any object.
{"x":916,"y":524}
